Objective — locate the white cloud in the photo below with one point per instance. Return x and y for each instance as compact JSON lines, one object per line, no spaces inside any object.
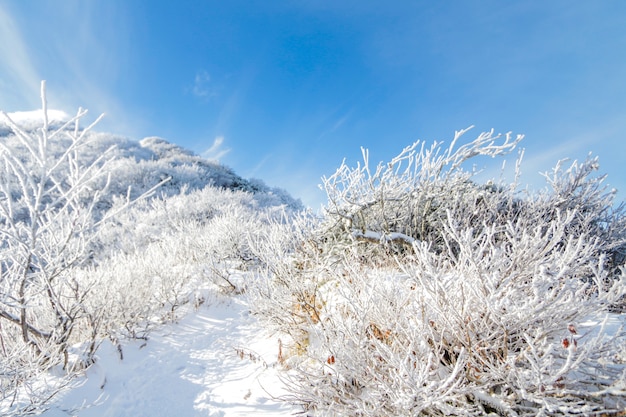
{"x":202,"y":85}
{"x":216,"y":151}
{"x":37,"y":116}
{"x":91,"y":59}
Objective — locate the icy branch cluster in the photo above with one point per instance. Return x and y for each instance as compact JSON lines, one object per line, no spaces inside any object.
{"x":421,"y":292}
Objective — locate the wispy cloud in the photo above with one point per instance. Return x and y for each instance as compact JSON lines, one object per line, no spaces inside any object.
{"x":82,"y":57}
{"x":217,"y":150}
{"x":258,"y":166}
{"x":336,"y":125}
{"x":19,"y":79}
{"x":202,"y":87}
{"x":91,"y":61}
{"x":234,"y":98}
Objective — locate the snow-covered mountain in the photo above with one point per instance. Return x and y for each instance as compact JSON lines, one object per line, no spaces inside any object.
{"x":32,"y":120}
{"x":144,"y":163}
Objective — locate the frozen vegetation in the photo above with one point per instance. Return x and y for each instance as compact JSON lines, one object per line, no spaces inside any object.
{"x":418,"y":291}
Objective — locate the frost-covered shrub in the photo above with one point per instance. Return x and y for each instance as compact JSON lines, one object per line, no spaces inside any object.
{"x":484,"y":333}
{"x":167,"y":252}
{"x":409,"y":198}
{"x":423,"y":293}
{"x":573,"y":189}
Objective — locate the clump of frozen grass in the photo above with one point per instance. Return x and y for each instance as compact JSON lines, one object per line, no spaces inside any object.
{"x":423,"y":293}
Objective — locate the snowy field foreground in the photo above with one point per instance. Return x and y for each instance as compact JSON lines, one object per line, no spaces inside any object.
{"x":217,"y":361}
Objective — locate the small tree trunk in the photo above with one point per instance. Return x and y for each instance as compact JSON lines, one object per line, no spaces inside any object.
{"x":23,"y":319}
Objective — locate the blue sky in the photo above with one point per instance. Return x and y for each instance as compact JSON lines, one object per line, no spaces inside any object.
{"x":285,"y":90}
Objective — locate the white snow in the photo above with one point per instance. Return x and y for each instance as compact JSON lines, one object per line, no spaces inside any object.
{"x":217,"y":361}
{"x":35,"y":116}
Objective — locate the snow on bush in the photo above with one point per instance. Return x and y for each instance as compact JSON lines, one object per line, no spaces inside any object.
{"x":162,"y":253}
{"x":421,"y":292}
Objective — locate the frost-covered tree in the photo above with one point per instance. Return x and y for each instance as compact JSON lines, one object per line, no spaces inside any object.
{"x":46,"y":212}
{"x":46,"y":223}
{"x":49,"y":215}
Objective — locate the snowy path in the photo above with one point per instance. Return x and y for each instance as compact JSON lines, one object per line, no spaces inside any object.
{"x":193,"y":368}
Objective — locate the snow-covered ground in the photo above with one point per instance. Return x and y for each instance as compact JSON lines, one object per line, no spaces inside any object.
{"x":217,"y":361}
